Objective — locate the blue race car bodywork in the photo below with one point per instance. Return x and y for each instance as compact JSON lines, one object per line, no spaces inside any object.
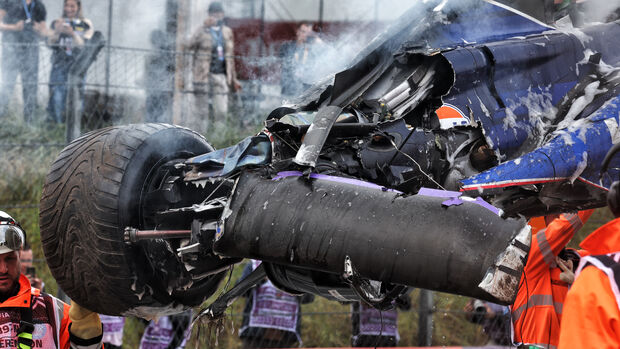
{"x":549,"y":111}
{"x":542,"y":100}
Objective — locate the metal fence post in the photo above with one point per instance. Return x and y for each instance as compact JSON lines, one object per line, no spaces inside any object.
{"x":77,"y":74}
{"x":181,"y":26}
{"x":74,"y":117}
{"x":108,"y":56}
{"x":425,"y":319}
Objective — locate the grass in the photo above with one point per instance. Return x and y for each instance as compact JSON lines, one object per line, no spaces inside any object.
{"x":25,"y":164}
{"x":326,"y":323}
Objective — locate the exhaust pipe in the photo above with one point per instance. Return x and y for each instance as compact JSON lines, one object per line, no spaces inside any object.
{"x":434,"y":240}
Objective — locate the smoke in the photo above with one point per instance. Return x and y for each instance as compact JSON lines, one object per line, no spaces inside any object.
{"x":332,"y":54}
{"x":348,"y":26}
{"x":409,"y":21}
{"x":337,"y":52}
{"x":600,"y":10}
{"x":131,"y":22}
{"x":358,"y":22}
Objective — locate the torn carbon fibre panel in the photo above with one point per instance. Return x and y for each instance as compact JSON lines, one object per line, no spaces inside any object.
{"x":502,"y":279}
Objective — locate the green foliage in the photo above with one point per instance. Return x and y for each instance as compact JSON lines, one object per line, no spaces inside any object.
{"x":26,"y":155}
{"x":132,"y":332}
{"x":598,"y":218}
{"x":229,"y":132}
{"x":26,"y":159}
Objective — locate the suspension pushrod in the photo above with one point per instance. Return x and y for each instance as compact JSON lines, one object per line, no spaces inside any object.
{"x":134,"y":235}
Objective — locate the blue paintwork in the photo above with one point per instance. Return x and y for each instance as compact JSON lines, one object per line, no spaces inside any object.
{"x":562,"y":156}
{"x":542,"y":65}
{"x":530,"y":76}
{"x":485,"y":22}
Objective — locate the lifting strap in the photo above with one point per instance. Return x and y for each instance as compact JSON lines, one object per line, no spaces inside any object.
{"x":26,"y":328}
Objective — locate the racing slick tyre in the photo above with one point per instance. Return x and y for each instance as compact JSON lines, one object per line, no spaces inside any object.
{"x":95,"y":188}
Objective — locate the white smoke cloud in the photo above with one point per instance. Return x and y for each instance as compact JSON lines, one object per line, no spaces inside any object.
{"x":338,"y":51}
{"x":132,"y":21}
{"x":599,"y":10}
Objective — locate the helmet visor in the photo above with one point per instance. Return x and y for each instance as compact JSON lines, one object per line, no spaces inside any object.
{"x":11,"y":238}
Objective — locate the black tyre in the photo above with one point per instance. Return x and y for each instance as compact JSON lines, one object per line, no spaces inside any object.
{"x":96,"y":188}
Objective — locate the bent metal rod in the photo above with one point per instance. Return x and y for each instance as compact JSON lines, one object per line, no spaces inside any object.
{"x":133,"y":235}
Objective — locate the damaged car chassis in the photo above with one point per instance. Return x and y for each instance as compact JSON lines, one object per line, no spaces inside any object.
{"x":416,"y":166}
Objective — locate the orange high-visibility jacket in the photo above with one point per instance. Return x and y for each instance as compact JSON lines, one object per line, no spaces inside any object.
{"x":537,"y":308}
{"x":592,"y":310}
{"x":50,"y":317}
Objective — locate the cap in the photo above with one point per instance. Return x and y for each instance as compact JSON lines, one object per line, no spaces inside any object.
{"x":569,"y":253}
{"x":215,"y":7}
{"x":12,"y":236}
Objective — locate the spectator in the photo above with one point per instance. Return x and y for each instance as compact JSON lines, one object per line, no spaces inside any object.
{"x":372,"y":327}
{"x":213,"y":68}
{"x":28,"y":268}
{"x":68,"y":35}
{"x":271,"y":318}
{"x":159,"y":79}
{"x":112,"y":331}
{"x":22,"y":23}
{"x":494,"y":318}
{"x":296,"y":56}
{"x":30,"y":317}
{"x":167,"y":332}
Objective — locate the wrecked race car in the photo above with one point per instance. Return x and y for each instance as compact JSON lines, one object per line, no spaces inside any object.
{"x":416,"y":166}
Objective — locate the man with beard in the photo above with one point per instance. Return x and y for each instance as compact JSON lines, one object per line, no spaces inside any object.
{"x":30,"y":318}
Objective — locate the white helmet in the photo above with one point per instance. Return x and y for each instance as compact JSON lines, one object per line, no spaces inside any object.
{"x":12,"y":236}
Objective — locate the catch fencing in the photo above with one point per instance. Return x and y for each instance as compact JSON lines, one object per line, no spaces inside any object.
{"x":121,"y":85}
{"x":118,"y":87}
{"x":335,"y":328}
